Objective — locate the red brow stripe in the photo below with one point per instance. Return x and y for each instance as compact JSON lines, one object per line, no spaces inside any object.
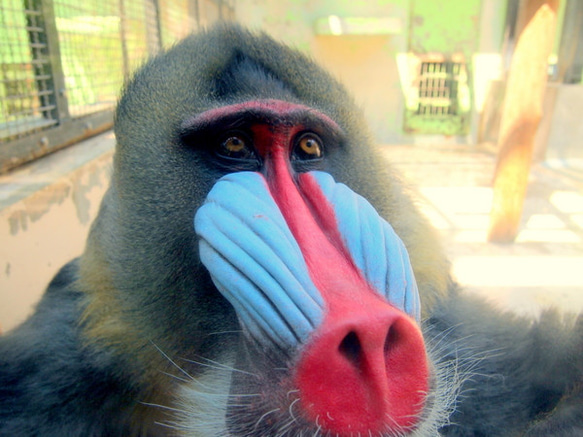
{"x":270,"y":108}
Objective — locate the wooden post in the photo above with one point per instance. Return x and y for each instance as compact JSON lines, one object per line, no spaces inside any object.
{"x":521,"y":114}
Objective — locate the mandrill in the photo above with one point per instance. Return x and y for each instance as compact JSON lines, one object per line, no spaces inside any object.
{"x":257,"y":270}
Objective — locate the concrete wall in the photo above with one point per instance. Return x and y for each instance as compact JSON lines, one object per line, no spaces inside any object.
{"x":374,"y":67}
{"x":560,"y":134}
{"x":46,"y":209}
{"x":367,"y":65}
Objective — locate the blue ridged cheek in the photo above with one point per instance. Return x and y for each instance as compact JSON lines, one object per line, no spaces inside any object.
{"x":374,"y":246}
{"x":256,"y":263}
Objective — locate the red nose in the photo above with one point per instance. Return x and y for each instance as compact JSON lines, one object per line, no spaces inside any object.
{"x":365,"y":370}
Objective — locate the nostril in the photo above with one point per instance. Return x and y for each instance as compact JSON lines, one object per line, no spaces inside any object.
{"x":391,"y":340}
{"x":351,"y":349}
{"x":364,"y":373}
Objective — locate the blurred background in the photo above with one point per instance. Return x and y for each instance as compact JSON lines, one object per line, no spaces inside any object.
{"x":441,"y":83}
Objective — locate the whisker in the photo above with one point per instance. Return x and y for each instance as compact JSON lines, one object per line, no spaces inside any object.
{"x":164,"y":407}
{"x":178,"y":378}
{"x":171,"y":361}
{"x":264,"y":416}
{"x":216,"y":365}
{"x":237,"y":331}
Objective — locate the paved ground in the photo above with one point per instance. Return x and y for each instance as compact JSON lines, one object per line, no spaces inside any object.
{"x":544,"y":267}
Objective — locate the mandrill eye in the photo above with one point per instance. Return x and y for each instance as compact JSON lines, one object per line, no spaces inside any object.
{"x":308,"y":146}
{"x":236,"y":146}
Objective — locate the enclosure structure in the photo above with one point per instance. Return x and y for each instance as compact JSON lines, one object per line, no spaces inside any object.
{"x":63,"y":62}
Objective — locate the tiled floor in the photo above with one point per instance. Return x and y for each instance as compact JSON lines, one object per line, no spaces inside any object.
{"x":544,"y":267}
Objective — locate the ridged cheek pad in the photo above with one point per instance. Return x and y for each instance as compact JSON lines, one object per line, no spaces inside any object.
{"x":256,"y":263}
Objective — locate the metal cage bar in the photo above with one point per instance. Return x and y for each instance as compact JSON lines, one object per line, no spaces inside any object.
{"x":63,"y":62}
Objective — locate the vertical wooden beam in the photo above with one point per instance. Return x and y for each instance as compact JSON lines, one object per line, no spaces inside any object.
{"x":521,"y":114}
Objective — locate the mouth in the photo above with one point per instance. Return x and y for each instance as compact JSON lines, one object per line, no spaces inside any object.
{"x":263,"y":401}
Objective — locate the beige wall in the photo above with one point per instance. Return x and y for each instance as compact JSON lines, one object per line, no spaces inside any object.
{"x":375,"y":68}
{"x":367,"y":65}
{"x":560,"y":134}
{"x":46,"y":209}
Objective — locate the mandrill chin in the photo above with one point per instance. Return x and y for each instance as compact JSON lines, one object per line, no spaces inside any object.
{"x":257,"y":270}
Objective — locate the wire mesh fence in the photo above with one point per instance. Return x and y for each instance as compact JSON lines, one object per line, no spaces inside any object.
{"x":26,"y":89}
{"x":63,"y":62}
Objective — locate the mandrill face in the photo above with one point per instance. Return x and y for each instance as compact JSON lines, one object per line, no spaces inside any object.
{"x":288,"y":211}
{"x":272,"y":264}
{"x":322,"y":286}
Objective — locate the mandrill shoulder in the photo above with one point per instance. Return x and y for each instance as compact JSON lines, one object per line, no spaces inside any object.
{"x":51,"y":382}
{"x":520,"y":376}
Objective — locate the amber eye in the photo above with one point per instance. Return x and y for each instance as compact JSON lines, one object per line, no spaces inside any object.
{"x":308,"y":146}
{"x":236,"y":146}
